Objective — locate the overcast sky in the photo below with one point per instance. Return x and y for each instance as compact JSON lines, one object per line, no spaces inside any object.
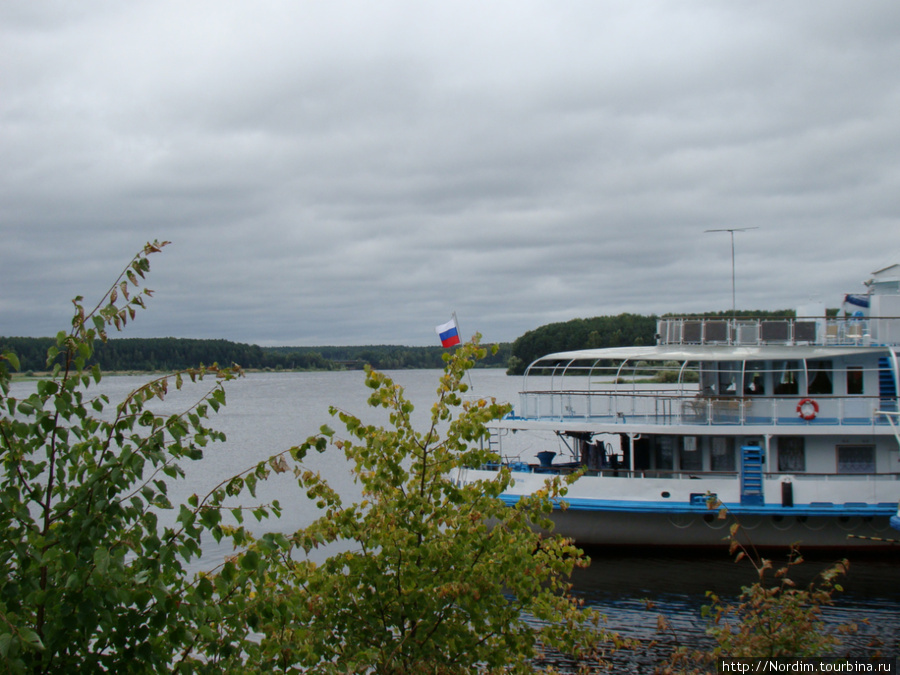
{"x":353,"y":172}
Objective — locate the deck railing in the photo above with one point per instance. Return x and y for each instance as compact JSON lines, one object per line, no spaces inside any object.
{"x":848,"y":331}
{"x":668,"y":408}
{"x":682,"y":474}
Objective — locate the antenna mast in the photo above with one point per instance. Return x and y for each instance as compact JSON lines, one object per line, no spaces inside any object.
{"x":731,"y":231}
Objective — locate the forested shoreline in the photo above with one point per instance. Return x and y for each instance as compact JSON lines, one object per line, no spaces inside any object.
{"x":601,"y":332}
{"x":168,"y":354}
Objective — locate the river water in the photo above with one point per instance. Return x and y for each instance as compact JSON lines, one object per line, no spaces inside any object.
{"x":270,"y":412}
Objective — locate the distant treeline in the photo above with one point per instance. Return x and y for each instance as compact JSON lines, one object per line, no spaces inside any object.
{"x":167,"y":354}
{"x":601,"y":331}
{"x":386,"y":357}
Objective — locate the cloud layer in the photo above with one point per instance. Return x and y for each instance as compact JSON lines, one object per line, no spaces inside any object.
{"x":352,"y":172}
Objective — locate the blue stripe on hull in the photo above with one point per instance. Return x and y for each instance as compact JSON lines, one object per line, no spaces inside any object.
{"x":626,"y":506}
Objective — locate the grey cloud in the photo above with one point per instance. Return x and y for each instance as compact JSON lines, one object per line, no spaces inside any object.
{"x":352,"y":173}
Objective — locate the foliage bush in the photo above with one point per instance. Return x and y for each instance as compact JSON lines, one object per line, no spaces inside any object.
{"x":89,"y":579}
{"x":440,"y":575}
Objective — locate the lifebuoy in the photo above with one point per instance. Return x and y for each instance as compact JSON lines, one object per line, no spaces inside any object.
{"x":807,"y":409}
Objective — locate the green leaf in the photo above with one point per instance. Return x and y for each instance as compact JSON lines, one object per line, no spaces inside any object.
{"x":30,"y":638}
{"x":250,"y":561}
{"x":101,"y":560}
{"x":13,"y":360}
{"x":6,"y":642}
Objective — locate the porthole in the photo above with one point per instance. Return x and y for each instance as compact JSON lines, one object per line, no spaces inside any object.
{"x":814,"y":523}
{"x":848,"y":523}
{"x":681,"y":520}
{"x":781,"y":523}
{"x":714,"y":522}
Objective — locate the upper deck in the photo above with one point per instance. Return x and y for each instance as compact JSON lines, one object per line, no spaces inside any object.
{"x":721,"y":372}
{"x":789,"y":331}
{"x":737,"y":371}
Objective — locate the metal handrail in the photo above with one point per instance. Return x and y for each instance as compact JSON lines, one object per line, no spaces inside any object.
{"x":674,"y":408}
{"x":819,"y":331}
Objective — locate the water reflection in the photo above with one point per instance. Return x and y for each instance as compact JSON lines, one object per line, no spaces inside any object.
{"x":620,"y":584}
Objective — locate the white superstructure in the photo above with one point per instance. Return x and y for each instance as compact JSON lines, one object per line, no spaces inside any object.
{"x":789,"y":422}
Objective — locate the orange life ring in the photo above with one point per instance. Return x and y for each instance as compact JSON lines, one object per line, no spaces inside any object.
{"x":807,"y":409}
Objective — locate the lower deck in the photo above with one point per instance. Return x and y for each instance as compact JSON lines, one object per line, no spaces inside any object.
{"x":808,"y":476}
{"x":668,"y":455}
{"x":679,"y":508}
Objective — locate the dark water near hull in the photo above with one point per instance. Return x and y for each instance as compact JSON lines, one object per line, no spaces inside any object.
{"x":267,"y":413}
{"x":620,"y":584}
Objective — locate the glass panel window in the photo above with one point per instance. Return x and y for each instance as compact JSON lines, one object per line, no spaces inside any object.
{"x":854,"y":380}
{"x":791,"y":454}
{"x":721,"y":454}
{"x":707,"y":380}
{"x":754,"y":379}
{"x":785,"y":378}
{"x":729,"y":378}
{"x":819,"y":378}
{"x":856,"y":459}
{"x":665,"y":453}
{"x":691,"y":457}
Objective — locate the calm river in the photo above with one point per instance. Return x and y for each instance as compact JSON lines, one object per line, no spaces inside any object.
{"x":269,"y":412}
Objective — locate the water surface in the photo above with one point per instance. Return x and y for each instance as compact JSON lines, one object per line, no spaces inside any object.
{"x":270,"y":412}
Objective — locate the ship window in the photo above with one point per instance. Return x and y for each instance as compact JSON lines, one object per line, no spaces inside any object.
{"x":707,"y":381}
{"x":791,"y":454}
{"x":665,"y":453}
{"x":785,"y":378}
{"x":854,"y":380}
{"x":819,"y":378}
{"x":721,"y":454}
{"x":754,"y":379}
{"x":691,"y":457}
{"x":856,"y":459}
{"x":729,"y":378}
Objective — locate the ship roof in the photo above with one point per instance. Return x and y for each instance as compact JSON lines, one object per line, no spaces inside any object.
{"x":712,"y":353}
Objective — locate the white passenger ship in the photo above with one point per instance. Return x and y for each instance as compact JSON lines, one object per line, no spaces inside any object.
{"x":790,"y":423}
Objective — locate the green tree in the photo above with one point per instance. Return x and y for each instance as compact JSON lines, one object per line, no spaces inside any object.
{"x":89,"y":579}
{"x":594,"y":333}
{"x":439,"y":576}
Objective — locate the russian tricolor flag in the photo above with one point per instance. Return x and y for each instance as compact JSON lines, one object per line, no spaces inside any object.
{"x":449,"y":333}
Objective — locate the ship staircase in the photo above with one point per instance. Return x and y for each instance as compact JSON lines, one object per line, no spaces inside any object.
{"x":751,"y":475}
{"x":887,"y":393}
{"x":887,"y":386}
